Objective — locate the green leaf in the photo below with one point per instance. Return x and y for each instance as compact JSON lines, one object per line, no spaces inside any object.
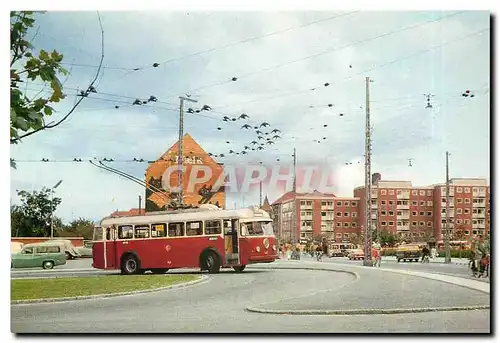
{"x":48,"y":110}
{"x":22,"y":123}
{"x":44,"y":56}
{"x":35,"y":115}
{"x":28,"y":54}
{"x":13,"y":115}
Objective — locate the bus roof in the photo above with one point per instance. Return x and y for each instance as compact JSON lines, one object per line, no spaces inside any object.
{"x":246,"y":213}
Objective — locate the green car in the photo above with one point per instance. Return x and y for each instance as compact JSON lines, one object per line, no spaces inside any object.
{"x":39,"y":255}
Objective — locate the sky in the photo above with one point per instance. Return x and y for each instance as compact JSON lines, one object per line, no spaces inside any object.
{"x":281,"y":77}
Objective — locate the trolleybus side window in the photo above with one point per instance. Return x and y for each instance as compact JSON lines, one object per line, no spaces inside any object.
{"x":158,"y":230}
{"x":213,"y":227}
{"x":125,"y":232}
{"x":142,"y":231}
{"x":227,"y":226}
{"x":194,"y":228}
{"x":175,"y":229}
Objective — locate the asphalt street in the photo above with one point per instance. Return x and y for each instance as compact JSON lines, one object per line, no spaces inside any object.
{"x":218,"y":306}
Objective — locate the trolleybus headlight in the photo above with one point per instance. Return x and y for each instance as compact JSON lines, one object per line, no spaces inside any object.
{"x":274,"y":247}
{"x":266,"y":243}
{"x":257,"y":249}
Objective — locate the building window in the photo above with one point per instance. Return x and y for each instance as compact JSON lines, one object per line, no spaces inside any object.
{"x":429,"y":193}
{"x":339,"y":203}
{"x":391,"y":223}
{"x":421,"y":224}
{"x":429,"y":213}
{"x":459,"y":211}
{"x":346,"y":203}
{"x":383,"y":223}
{"x":391,"y":191}
{"x":354,"y":214}
{"x":339,"y":214}
{"x":414,"y":192}
{"x":429,"y":203}
{"x":383,"y":202}
{"x":467,"y":221}
{"x":429,"y":224}
{"x":346,"y":214}
{"x":346,"y":224}
{"x":400,"y":192}
{"x":466,"y":211}
{"x":323,"y":214}
{"x":414,"y":203}
{"x":467,"y":190}
{"x":339,"y":224}
{"x":353,"y":224}
{"x":353,"y":204}
{"x":459,"y":189}
{"x":391,"y":202}
{"x":399,"y":223}
{"x":391,"y":213}
{"x":474,"y":189}
{"x":459,"y":221}
{"x":302,"y":203}
{"x":422,"y":193}
{"x":338,"y":235}
{"x":467,"y":200}
{"x":383,"y":192}
{"x":422,"y":213}
{"x":467,"y":232}
{"x":399,"y":213}
{"x":459,"y":200}
{"x":422,"y":203}
{"x":413,"y":224}
{"x":383,"y":213}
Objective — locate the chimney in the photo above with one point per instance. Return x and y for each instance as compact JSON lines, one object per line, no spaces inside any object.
{"x":376,"y":177}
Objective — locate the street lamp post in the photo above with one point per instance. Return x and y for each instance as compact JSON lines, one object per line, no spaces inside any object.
{"x":52,"y":210}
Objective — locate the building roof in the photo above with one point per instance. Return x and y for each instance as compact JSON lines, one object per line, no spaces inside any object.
{"x":266,"y":206}
{"x":291,"y":195}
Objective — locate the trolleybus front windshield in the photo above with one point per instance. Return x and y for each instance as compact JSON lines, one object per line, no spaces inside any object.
{"x":256,"y":229}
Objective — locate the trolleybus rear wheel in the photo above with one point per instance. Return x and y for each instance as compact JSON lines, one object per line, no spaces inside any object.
{"x":212,"y":262}
{"x":130,"y":265}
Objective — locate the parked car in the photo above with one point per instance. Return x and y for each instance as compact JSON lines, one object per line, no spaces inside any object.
{"x":15,"y":247}
{"x":86,"y":250}
{"x":356,"y":254}
{"x":39,"y":255}
{"x":408,"y":252}
{"x":66,"y":246}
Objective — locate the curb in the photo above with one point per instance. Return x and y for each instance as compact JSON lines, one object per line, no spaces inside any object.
{"x":202,"y":279}
{"x":369,"y":311}
{"x":356,"y":275}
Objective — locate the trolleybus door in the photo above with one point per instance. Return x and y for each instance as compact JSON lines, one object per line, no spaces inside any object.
{"x":231,"y":242}
{"x":110,"y":248}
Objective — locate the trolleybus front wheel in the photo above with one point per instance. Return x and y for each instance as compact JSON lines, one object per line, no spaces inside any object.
{"x":159,"y":270}
{"x":239,"y":269}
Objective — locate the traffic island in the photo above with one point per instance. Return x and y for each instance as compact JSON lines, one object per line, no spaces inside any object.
{"x":79,"y":288}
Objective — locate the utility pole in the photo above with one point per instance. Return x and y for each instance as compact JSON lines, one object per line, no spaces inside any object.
{"x":447,"y":258}
{"x":181,"y":151}
{"x":368,"y":189}
{"x":293,"y":231}
{"x":140,"y":203}
{"x":260,"y":195}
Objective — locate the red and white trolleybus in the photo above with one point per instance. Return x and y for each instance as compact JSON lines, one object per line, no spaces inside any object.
{"x":208,"y":238}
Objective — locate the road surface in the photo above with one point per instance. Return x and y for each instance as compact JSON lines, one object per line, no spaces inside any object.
{"x":219,"y":305}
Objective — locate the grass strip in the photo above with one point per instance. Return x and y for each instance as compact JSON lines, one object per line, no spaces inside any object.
{"x":29,"y":289}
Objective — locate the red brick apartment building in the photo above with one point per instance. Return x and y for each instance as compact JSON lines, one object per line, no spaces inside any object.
{"x":315,"y":214}
{"x":415,"y":213}
{"x":419,"y":213}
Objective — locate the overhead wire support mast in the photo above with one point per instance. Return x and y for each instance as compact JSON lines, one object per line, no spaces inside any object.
{"x":447,"y":258}
{"x":368,"y":186}
{"x":181,"y":148}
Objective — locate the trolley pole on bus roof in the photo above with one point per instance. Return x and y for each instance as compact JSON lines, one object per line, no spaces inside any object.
{"x":181,"y":151}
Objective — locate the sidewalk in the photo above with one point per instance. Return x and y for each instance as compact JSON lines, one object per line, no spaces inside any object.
{"x":457,"y":261}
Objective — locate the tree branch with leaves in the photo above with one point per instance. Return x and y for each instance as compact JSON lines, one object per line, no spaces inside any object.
{"x":29,"y":114}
